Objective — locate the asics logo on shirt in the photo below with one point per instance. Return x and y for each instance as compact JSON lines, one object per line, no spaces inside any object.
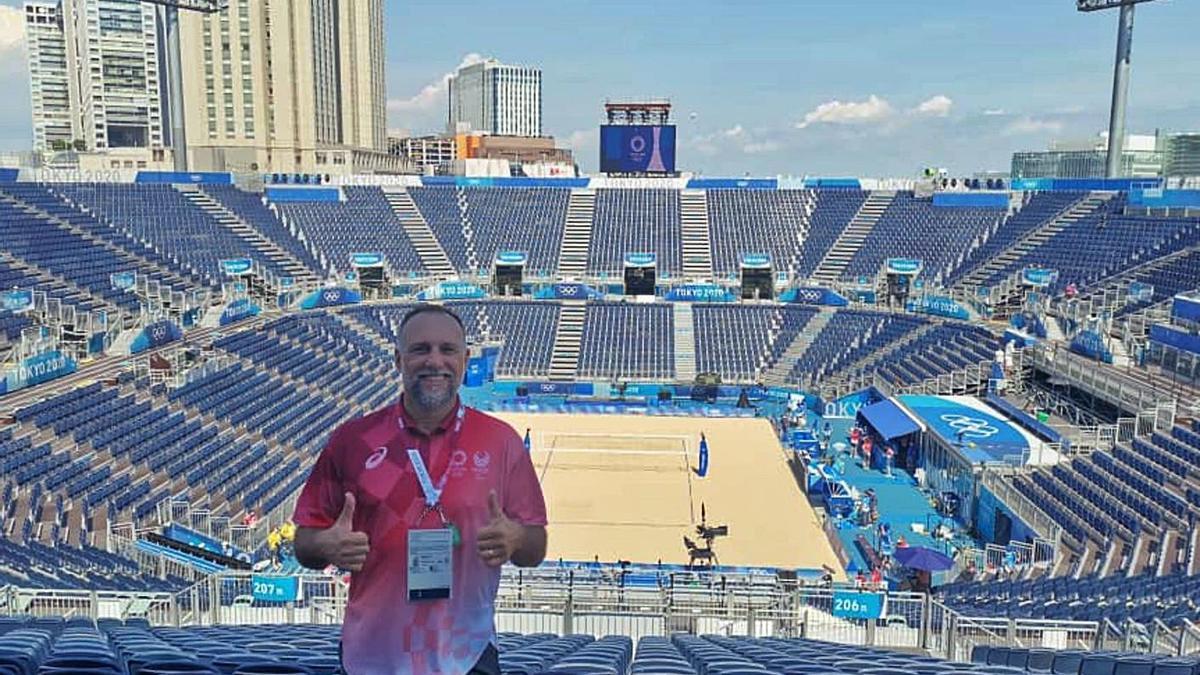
{"x":376,"y":458}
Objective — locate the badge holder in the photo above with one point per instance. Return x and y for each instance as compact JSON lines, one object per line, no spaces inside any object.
{"x":430,"y":550}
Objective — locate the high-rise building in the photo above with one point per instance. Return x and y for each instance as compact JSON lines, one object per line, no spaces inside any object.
{"x":493,"y":98}
{"x":94,"y":70}
{"x":1087,"y":158}
{"x":1182,"y":155}
{"x":50,"y":85}
{"x":286,"y":86}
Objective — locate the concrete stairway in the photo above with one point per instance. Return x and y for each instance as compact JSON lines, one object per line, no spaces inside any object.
{"x":577,"y":235}
{"x":564,"y":360}
{"x":253,"y":238}
{"x":1069,"y":216}
{"x":776,"y":373}
{"x":432,"y":255}
{"x":697,"y":247}
{"x":685,"y":342}
{"x":850,"y":241}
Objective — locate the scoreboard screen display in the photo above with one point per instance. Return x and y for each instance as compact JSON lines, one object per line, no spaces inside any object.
{"x":637,"y":148}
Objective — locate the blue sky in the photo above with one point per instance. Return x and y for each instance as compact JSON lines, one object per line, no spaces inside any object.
{"x":865,"y":87}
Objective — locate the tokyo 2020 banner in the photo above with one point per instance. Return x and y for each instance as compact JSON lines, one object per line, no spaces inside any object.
{"x":637,"y":148}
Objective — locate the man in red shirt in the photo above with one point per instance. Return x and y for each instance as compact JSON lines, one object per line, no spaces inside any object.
{"x":422,"y":501}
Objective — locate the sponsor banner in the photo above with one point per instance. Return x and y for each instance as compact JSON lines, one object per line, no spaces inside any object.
{"x":814,"y":296}
{"x":1038,"y":277}
{"x":236,"y":267}
{"x":331,"y":297}
{"x":560,"y":388}
{"x":238,"y":310}
{"x":641,"y":259}
{"x":700,"y":293}
{"x":567,"y":291}
{"x":756,"y":261}
{"x":939,"y":305}
{"x":156,"y":335}
{"x":511,"y":258}
{"x":18,"y":301}
{"x":36,"y":370}
{"x":904,"y":265}
{"x":452,"y":290}
{"x":366,"y":259}
{"x":123,"y":281}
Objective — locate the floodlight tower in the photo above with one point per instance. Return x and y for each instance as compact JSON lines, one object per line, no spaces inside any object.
{"x":170,"y":10}
{"x":1120,"y":93}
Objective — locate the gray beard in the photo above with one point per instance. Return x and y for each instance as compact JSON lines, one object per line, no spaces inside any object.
{"x":430,"y":400}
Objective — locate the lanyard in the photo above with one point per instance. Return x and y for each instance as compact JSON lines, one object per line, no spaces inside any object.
{"x":433,"y":493}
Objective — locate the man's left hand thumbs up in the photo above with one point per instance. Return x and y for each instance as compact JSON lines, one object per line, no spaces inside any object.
{"x":500,"y":538}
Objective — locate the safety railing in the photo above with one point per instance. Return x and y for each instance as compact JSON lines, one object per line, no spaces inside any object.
{"x":542,"y":603}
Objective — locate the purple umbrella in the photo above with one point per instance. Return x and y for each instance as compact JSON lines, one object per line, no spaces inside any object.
{"x":925,"y":559}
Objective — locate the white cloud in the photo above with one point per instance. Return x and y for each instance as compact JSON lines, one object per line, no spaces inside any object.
{"x":432,"y":94}
{"x":994,"y":112}
{"x":938,"y":106}
{"x":873,"y":109}
{"x":761,"y":147}
{"x":734,"y":131}
{"x":583,"y":140}
{"x":1029,"y":125}
{"x":12,"y":38}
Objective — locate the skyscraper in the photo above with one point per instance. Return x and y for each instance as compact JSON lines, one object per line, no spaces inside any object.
{"x":494,"y":98}
{"x":94,"y":71}
{"x":54,"y":128}
{"x":285,"y":85}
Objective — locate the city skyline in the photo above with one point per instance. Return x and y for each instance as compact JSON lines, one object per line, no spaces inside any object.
{"x":769,"y":87}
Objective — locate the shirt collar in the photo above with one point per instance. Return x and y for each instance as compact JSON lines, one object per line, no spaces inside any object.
{"x":407,"y":422}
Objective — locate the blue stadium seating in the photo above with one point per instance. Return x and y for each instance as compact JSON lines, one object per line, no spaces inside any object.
{"x":627,"y":341}
{"x":915,"y":228}
{"x":363,"y":223}
{"x":1037,"y":209}
{"x":742,"y":222}
{"x":738,"y":342}
{"x":250,"y":207}
{"x":81,"y":645}
{"x":173,"y":225}
{"x":636,"y":221}
{"x":476,"y":224}
{"x":526,"y":330}
{"x":1170,"y":599}
{"x":834,"y":210}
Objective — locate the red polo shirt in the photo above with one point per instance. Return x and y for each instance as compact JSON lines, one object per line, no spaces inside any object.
{"x":383,"y":632}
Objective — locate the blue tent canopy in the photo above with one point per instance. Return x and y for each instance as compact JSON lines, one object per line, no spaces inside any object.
{"x":889,"y":420}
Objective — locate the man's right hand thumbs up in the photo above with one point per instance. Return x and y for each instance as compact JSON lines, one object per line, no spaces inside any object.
{"x":342,"y":546}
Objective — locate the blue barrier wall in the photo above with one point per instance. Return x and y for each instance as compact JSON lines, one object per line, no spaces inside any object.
{"x":812,"y":183}
{"x":303,"y":194}
{"x":1175,"y":337}
{"x":733,"y":184}
{"x":1125,"y":184}
{"x":1186,"y":308}
{"x":1167,"y":199}
{"x":974,"y":200}
{"x":985,"y":520}
{"x":9,"y":175}
{"x":517,"y":182}
{"x":197,"y":177}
